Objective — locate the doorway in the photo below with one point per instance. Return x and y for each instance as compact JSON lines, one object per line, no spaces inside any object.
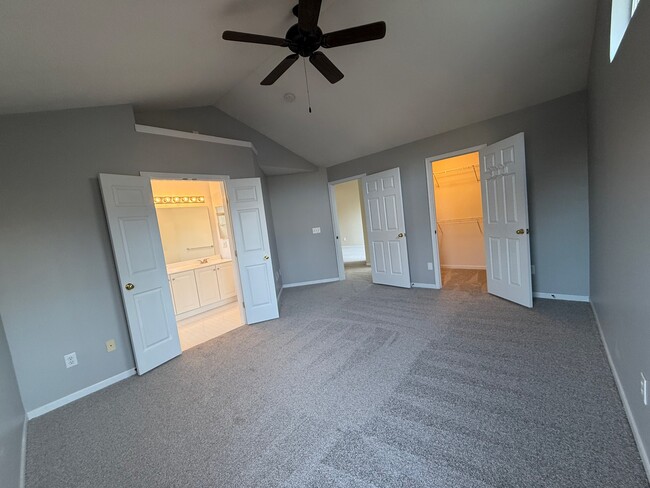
{"x":349,"y":218}
{"x":197,"y":247}
{"x":459,"y":219}
{"x":497,"y":175}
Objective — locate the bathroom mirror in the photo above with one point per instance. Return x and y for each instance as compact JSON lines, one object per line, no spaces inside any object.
{"x":186,"y":233}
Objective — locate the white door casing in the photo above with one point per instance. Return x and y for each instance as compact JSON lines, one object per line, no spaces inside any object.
{"x":135,"y":237}
{"x":505,"y":219}
{"x":253,"y":249}
{"x":386,"y":230}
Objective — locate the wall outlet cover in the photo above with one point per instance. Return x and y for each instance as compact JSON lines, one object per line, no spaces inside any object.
{"x":315,"y":230}
{"x":430,"y":266}
{"x":70,"y":360}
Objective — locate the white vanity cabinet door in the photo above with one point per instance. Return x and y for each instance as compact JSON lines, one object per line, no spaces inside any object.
{"x":186,"y":296}
{"x":226,"y":281}
{"x":206,"y":280}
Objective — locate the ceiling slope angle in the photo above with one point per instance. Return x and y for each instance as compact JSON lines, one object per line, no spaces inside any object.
{"x":441,"y":66}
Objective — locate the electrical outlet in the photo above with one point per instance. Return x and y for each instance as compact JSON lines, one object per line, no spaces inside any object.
{"x":315,"y":230}
{"x":430,"y":266}
{"x":70,"y":360}
{"x":110,"y":345}
{"x":644,"y":389}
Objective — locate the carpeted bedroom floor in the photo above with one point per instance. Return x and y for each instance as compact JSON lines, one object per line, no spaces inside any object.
{"x":359,"y":385}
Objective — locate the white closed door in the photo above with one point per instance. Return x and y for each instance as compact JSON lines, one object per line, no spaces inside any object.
{"x":385,"y":228}
{"x":253,"y":251}
{"x":134,"y":233}
{"x":505,"y":218}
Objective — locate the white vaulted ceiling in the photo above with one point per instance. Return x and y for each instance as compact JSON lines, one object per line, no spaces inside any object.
{"x":442,"y":65}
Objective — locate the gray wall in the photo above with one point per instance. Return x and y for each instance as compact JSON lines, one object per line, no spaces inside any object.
{"x":12,"y":419}
{"x":301,"y":202}
{"x":272,"y":158}
{"x":58,"y":286}
{"x":556,"y":158}
{"x":619,"y":179}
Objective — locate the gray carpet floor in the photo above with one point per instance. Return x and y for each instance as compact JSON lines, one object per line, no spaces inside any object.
{"x":469,"y":280}
{"x":360,"y":385}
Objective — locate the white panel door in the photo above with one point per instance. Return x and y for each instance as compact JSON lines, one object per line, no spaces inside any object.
{"x":253,"y":250}
{"x":141,"y":270}
{"x":386,"y":230}
{"x":505,"y":219}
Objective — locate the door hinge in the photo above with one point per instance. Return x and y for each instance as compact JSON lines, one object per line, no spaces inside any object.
{"x":235,"y":252}
{"x":243,"y":303}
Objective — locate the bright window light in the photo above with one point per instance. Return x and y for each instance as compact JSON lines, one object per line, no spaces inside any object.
{"x":622,"y":12}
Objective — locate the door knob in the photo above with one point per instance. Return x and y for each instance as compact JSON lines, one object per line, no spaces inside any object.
{"x":400,"y":235}
{"x":522,"y":231}
{"x":129,"y":286}
{"x":266,"y":258}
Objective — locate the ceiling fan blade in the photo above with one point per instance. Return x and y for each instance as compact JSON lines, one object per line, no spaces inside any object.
{"x":308,"y":13}
{"x":326,"y":67}
{"x":254,"y":38}
{"x":354,"y":35}
{"x":279,"y":70}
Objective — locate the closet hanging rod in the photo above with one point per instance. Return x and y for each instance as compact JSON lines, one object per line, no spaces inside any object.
{"x":471,"y":220}
{"x":199,"y":247}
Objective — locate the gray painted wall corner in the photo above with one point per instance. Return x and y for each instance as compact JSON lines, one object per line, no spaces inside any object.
{"x":300,"y":202}
{"x":619,"y":173}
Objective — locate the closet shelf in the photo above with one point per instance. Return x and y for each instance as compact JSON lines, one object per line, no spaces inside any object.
{"x":471,"y":220}
{"x":456,"y":171}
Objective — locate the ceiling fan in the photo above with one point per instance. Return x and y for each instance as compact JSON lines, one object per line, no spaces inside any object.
{"x":305,"y":39}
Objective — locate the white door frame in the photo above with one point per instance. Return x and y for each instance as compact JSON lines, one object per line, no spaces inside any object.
{"x":433,"y":221}
{"x":335,"y":222}
{"x":233,"y":246}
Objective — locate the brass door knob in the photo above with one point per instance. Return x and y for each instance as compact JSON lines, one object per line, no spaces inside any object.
{"x":129,"y":286}
{"x":266,"y":258}
{"x":522,"y":231}
{"x":400,"y":235}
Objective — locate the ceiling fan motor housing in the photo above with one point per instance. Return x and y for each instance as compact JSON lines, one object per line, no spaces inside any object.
{"x":302,"y":42}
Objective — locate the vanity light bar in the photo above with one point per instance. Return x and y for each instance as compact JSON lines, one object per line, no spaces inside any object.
{"x":177,"y":199}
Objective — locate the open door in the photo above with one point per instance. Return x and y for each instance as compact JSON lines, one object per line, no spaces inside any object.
{"x":505,"y":219}
{"x":141,"y":270}
{"x":386,"y":231}
{"x":252,"y":249}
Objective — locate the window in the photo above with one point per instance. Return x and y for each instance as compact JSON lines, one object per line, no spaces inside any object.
{"x":622,"y":12}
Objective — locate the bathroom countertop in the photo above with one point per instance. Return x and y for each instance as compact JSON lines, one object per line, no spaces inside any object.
{"x":194,"y":264}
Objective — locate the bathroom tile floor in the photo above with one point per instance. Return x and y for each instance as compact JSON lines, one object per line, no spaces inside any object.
{"x":201,"y":328}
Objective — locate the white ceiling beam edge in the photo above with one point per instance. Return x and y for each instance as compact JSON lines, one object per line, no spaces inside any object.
{"x":194,"y":136}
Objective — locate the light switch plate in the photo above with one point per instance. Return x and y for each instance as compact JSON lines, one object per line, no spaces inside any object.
{"x":315,"y":230}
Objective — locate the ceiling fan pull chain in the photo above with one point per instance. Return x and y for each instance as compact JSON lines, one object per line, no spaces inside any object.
{"x":304,"y":63}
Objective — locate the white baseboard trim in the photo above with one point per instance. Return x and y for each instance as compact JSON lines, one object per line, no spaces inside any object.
{"x":461,"y":266}
{"x":428,"y":286}
{"x":626,"y":405}
{"x":559,"y":296}
{"x":23,"y":454}
{"x":307,"y":283}
{"x":37,"y":412}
